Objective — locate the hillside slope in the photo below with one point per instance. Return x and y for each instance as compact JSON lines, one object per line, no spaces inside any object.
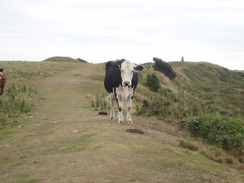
{"x":209,"y":88}
{"x":64,"y":140}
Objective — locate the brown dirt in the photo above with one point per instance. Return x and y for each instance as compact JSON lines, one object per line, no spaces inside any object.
{"x":65,"y":140}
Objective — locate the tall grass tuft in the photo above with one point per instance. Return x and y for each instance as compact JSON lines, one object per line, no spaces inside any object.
{"x":100,"y":103}
{"x":14,"y":103}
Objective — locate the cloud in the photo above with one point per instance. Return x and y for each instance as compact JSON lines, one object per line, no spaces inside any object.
{"x":97,"y":30}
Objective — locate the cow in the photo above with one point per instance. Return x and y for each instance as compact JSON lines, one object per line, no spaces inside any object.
{"x":120,"y":81}
{"x":2,"y":81}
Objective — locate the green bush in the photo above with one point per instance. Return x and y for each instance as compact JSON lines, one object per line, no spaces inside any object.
{"x":225,"y":132}
{"x":152,"y":82}
{"x":163,"y":67}
{"x":155,"y":106}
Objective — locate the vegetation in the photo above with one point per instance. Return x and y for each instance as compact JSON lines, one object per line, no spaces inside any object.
{"x":163,"y":67}
{"x":14,"y":103}
{"x":225,"y":132}
{"x":200,"y":90}
{"x":64,"y":126}
{"x":99,"y":102}
{"x":152,"y":82}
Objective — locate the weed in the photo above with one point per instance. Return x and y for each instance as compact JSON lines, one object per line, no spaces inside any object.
{"x":100,"y":103}
{"x":188,"y":145}
{"x":14,"y":103}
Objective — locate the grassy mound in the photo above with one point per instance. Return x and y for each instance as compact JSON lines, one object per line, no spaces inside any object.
{"x":63,"y":59}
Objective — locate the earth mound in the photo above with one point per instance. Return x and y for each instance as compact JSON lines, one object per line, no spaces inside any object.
{"x":64,"y":59}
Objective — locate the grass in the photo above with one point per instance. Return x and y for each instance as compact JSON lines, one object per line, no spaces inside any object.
{"x":102,"y":150}
{"x":23,"y":177}
{"x":68,"y":145}
{"x":166,"y":161}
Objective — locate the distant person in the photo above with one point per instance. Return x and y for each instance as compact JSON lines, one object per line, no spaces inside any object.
{"x":2,"y":81}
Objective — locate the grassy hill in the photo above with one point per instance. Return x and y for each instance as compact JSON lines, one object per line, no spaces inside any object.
{"x":64,"y":59}
{"x":63,"y":139}
{"x":211,"y":88}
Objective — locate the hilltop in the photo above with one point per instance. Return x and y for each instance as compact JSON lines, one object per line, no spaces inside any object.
{"x":63,"y":139}
{"x":64,"y":59}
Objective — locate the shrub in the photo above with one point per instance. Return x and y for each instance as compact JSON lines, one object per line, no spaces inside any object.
{"x":225,"y":132}
{"x":152,"y":82}
{"x":163,"y":67}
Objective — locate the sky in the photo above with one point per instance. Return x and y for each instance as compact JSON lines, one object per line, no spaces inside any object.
{"x":137,"y":30}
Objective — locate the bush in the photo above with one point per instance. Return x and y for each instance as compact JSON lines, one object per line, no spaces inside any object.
{"x":155,"y":106}
{"x":225,"y":132}
{"x":152,"y":82}
{"x":163,"y":67}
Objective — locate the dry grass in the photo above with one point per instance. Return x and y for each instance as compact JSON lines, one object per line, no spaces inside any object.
{"x":66,"y":141}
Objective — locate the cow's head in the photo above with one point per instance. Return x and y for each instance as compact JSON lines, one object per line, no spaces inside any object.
{"x":127,"y":69}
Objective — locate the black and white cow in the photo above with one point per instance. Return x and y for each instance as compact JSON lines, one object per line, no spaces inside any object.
{"x":120,"y":81}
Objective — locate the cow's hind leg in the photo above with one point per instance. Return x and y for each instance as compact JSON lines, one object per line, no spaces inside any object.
{"x":112,"y":99}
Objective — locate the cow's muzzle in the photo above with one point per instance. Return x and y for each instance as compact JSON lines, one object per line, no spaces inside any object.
{"x":126,"y":83}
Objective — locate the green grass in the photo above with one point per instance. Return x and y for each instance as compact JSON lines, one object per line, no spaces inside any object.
{"x":68,"y":145}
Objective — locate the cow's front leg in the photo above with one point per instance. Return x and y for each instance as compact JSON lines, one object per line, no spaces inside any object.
{"x":120,"y":112}
{"x":129,"y":103}
{"x":112,"y":99}
{"x":119,"y":98}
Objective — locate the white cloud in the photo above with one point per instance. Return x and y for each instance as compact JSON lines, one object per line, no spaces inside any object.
{"x":101,"y":30}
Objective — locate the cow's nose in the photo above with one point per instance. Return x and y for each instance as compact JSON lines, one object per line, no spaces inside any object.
{"x":126,"y":83}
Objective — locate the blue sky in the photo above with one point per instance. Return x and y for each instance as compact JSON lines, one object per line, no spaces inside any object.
{"x":138,"y":30}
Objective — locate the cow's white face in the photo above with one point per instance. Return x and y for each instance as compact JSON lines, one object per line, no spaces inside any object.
{"x":127,"y":69}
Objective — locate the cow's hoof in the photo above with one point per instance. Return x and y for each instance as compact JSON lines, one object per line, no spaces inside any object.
{"x":129,"y":121}
{"x":120,"y":121}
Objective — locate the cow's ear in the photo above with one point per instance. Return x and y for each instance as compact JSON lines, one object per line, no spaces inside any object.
{"x":116,"y":67}
{"x":138,"y":68}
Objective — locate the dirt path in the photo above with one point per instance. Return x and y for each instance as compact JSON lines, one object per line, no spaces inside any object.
{"x":66,"y":141}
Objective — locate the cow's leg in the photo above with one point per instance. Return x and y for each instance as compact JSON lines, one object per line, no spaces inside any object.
{"x":119,"y":97}
{"x":120,"y":107}
{"x":112,"y":99}
{"x":129,"y":104}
